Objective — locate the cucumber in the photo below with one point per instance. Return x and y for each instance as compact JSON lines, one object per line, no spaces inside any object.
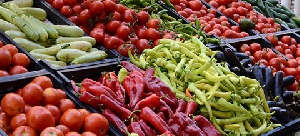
{"x":28,"y":45}
{"x":80,"y":45}
{"x":52,"y":33}
{"x":296,"y":20}
{"x":90,"y":57}
{"x":22,"y":3}
{"x":58,"y":63}
{"x":292,"y":26}
{"x":274,"y":2}
{"x":68,"y":55}
{"x":51,"y":50}
{"x":269,"y":12}
{"x":279,"y":21}
{"x":288,"y":10}
{"x":43,"y":56}
{"x":68,"y":31}
{"x":43,"y":35}
{"x":292,"y":22}
{"x":61,"y":39}
{"x":15,"y":34}
{"x":4,"y":26}
{"x":282,"y":16}
{"x":282,"y":11}
{"x":37,"y":13}
{"x":93,"y":49}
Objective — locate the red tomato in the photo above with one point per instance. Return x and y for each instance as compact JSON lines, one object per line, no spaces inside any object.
{"x":280,"y":49}
{"x":153,"y":23}
{"x":297,"y":54}
{"x":86,"y":29}
{"x":143,"y":44}
{"x":293,"y":87}
{"x":286,"y":39}
{"x":288,"y":51}
{"x":54,"y":111}
{"x":109,"y":6}
{"x":70,"y":2}
{"x":175,"y":2}
{"x":51,"y":131}
{"x":152,"y":34}
{"x":293,"y":41}
{"x":275,"y":63}
{"x":214,"y":3}
{"x":74,"y":19}
{"x":143,"y":17}
{"x":98,"y":34}
{"x":5,"y":58}
{"x":123,"y":49}
{"x":65,"y":104}
{"x":129,"y":16}
{"x":123,"y":32}
{"x":17,"y":121}
{"x":224,"y":2}
{"x":39,"y":118}
{"x":84,"y":17}
{"x":271,"y":55}
{"x":95,"y":123}
{"x":87,"y":3}
{"x":259,"y":55}
{"x":195,"y":5}
{"x":273,"y":39}
{"x":263,"y":62}
{"x":112,"y":26}
{"x":63,"y":129}
{"x":292,"y":63}
{"x":73,"y":119}
{"x":293,"y":48}
{"x":57,"y":4}
{"x":24,"y":130}
{"x":66,"y":10}
{"x":43,"y":81}
{"x":121,"y":8}
{"x":112,"y":42}
{"x":140,"y":33}
{"x":20,"y":59}
{"x":242,"y":11}
{"x":291,"y":71}
{"x":97,"y":7}
{"x":77,"y":9}
{"x":3,"y":73}
{"x":290,"y":56}
{"x":254,"y":47}
{"x":32,"y":94}
{"x":50,"y":96}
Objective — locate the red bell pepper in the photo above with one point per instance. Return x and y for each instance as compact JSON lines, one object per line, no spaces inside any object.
{"x":111,"y":81}
{"x":114,"y":119}
{"x":149,"y":115}
{"x":134,"y":86}
{"x":131,"y":67}
{"x":135,"y":127}
{"x":151,"y":101}
{"x":89,"y":82}
{"x":206,"y":126}
{"x":89,"y":99}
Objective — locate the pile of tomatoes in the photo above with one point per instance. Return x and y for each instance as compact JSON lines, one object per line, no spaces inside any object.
{"x":113,"y":25}
{"x":11,"y":61}
{"x":40,"y":109}
{"x":239,"y":10}
{"x":192,"y":9}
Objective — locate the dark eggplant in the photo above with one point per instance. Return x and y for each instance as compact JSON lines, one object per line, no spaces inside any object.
{"x":249,"y":73}
{"x":284,"y":115}
{"x":234,"y":61}
{"x":274,"y":119}
{"x":296,"y":107}
{"x":220,"y":57}
{"x":236,"y":70}
{"x":288,"y":97}
{"x":258,"y":73}
{"x":278,"y":104}
{"x":213,"y":47}
{"x":246,"y":62}
{"x":288,"y":81}
{"x":277,"y":90}
{"x":276,"y":109}
{"x":269,"y":81}
{"x":241,"y":55}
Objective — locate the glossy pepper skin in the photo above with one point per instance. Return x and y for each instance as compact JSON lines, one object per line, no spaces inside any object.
{"x":108,"y":103}
{"x":89,"y":82}
{"x":191,"y":108}
{"x":149,"y":116}
{"x":206,"y":126}
{"x":146,"y":128}
{"x":134,"y":85}
{"x":151,"y":101}
{"x":111,"y":81}
{"x":182,"y":125}
{"x":154,"y":84}
{"x":181,"y":106}
{"x":114,"y":119}
{"x":75,"y":87}
{"x":131,"y":67}
{"x":89,"y":99}
{"x":168,"y":110}
{"x":135,"y":127}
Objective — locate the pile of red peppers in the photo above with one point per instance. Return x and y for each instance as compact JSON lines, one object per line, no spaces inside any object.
{"x":143,"y":104}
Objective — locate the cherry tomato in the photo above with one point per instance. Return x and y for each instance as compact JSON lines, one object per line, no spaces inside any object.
{"x":143,"y":44}
{"x":39,"y":118}
{"x":293,"y":48}
{"x":123,"y":49}
{"x":195,"y":5}
{"x":292,"y":63}
{"x":259,"y":55}
{"x":133,"y":39}
{"x":291,"y":71}
{"x":254,"y":47}
{"x":121,"y":8}
{"x":97,"y":7}
{"x":74,"y":19}
{"x":112,"y":26}
{"x":70,"y":2}
{"x":95,"y":123}
{"x":214,"y":3}
{"x":271,"y":55}
{"x":86,"y":29}
{"x":77,"y":9}
{"x":273,"y":39}
{"x":129,"y":16}
{"x":274,"y":62}
{"x":109,"y":6}
{"x":152,"y":34}
{"x":84,"y":17}
{"x":286,"y":39}
{"x":73,"y":119}
{"x":51,"y":131}
{"x":297,"y":54}
{"x":143,"y":17}
{"x":123,"y":32}
{"x":175,"y":2}
{"x":116,"y":16}
{"x":98,"y":34}
{"x":66,"y":10}
{"x":87,"y":3}
{"x":112,"y":42}
{"x":57,"y":4}
{"x":153,"y":23}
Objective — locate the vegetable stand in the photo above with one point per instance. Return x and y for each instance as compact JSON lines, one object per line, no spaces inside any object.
{"x":220,"y":67}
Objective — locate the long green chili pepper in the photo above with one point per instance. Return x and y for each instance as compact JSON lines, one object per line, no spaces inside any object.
{"x":232,"y":120}
{"x":224,"y":103}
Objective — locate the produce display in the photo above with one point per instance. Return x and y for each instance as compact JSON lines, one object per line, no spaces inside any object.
{"x":12,"y":61}
{"x":172,"y":67}
{"x":281,"y":14}
{"x":59,"y":45}
{"x":40,"y":109}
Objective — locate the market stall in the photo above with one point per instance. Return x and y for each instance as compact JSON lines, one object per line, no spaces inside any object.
{"x":148,"y":68}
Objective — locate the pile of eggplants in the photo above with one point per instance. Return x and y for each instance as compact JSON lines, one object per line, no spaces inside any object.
{"x":285,"y":103}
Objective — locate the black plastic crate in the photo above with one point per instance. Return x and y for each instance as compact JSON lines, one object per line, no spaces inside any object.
{"x":248,"y":40}
{"x":13,"y":84}
{"x":290,"y":129}
{"x":33,"y":66}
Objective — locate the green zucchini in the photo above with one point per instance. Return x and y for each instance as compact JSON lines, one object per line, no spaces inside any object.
{"x":80,"y":45}
{"x":37,"y":13}
{"x":90,"y":57}
{"x":28,"y":45}
{"x":61,"y":39}
{"x":68,"y":55}
{"x":52,"y":33}
{"x":43,"y":56}
{"x":43,"y":35}
{"x":7,"y":14}
{"x":68,"y":31}
{"x":26,"y":28}
{"x":5,"y":26}
{"x":22,"y":3}
{"x":15,"y":34}
{"x":51,"y":50}
{"x":57,"y":63}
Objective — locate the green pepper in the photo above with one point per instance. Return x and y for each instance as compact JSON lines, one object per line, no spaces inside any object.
{"x":233,"y":107}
